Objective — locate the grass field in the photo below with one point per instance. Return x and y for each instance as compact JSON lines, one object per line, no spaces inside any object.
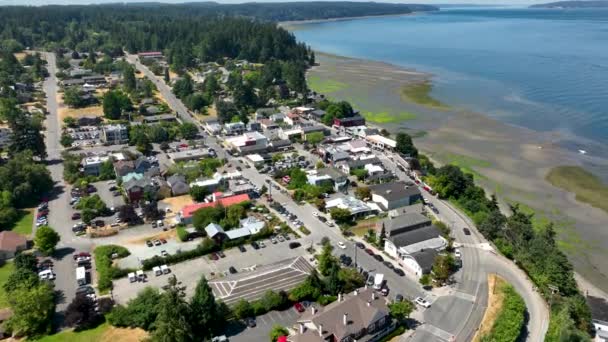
{"x":420,"y":93}
{"x":25,"y":222}
{"x":5,"y":271}
{"x":386,"y":117}
{"x":495,"y":300}
{"x":102,"y":333}
{"x":586,"y":186}
{"x":325,"y":85}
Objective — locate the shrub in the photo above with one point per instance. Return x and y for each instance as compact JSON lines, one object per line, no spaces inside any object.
{"x":508,"y":324}
{"x":304,"y":230}
{"x":182,"y":234}
{"x":327,"y":299}
{"x":103,"y":263}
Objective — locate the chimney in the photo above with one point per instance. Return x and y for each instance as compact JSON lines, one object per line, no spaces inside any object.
{"x":313,"y":310}
{"x":373,"y":296}
{"x":302,"y":328}
{"x":345,"y":319}
{"x":321,"y":330}
{"x":356,"y":292}
{"x":339,"y":297}
{"x":366,"y":286}
{"x":369,"y":303}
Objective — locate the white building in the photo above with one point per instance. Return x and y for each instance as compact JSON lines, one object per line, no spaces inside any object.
{"x":234,"y":128}
{"x":249,"y":142}
{"x":115,"y":134}
{"x":381,"y":142}
{"x":92,"y":165}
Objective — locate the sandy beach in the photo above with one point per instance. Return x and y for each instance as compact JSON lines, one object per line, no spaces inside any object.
{"x":507,"y":160}
{"x":290,"y":25}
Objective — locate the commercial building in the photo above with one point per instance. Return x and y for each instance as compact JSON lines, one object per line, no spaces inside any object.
{"x":356,"y":207}
{"x":393,"y":195}
{"x":115,"y":134}
{"x":91,"y":166}
{"x":359,"y":316}
{"x":185,"y":215}
{"x":328,"y":176}
{"x":250,"y":142}
{"x":380,"y":142}
{"x":187,"y":155}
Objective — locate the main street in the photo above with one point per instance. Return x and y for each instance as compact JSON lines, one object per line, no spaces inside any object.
{"x":453,"y":316}
{"x":65,"y":282}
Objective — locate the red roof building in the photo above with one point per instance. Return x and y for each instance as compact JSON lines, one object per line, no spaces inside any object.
{"x":11,"y":243}
{"x":187,"y":211}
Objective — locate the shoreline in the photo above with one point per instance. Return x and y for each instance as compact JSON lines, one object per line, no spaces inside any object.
{"x":508,"y":160}
{"x":287,"y":24}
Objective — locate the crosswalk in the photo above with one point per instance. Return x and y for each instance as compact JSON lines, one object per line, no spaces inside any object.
{"x":442,"y":334}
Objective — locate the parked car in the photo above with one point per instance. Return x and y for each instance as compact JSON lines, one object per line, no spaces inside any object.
{"x":232,"y":270}
{"x":157,"y":242}
{"x":100,"y":223}
{"x":341,"y":245}
{"x":280,"y":238}
{"x":360,"y":245}
{"x":255,"y":245}
{"x":398,"y":298}
{"x":379,"y":257}
{"x":293,"y":245}
{"x":399,"y":272}
{"x":163,"y":241}
{"x":76,"y":216}
{"x":457,"y":253}
{"x":299,"y":307}
{"x":242,"y":249}
{"x":322,"y":219}
{"x":422,"y":302}
{"x":369,"y":251}
{"x":466,"y":231}
{"x":164,"y":254}
{"x":262,"y":244}
{"x":149,"y":243}
{"x":250,"y":322}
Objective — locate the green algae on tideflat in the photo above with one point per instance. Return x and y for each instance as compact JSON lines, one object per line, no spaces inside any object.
{"x":385,"y":117}
{"x":325,"y":85}
{"x":586,"y":186}
{"x":420,"y":93}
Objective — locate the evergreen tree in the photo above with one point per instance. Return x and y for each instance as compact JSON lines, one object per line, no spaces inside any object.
{"x":129,"y":81}
{"x":167,"y":77}
{"x":173,"y":321}
{"x":204,"y":309}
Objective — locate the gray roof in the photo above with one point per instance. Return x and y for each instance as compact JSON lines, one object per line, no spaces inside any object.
{"x":415,"y":236}
{"x":394,"y":191}
{"x":362,"y":162}
{"x":332,"y":172}
{"x":213,"y":229}
{"x":318,"y":112}
{"x":176,"y":178}
{"x":402,"y":222}
{"x":425,"y":259}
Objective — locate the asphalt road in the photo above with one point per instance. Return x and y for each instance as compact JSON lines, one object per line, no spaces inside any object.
{"x":59,"y":208}
{"x":454,"y":316}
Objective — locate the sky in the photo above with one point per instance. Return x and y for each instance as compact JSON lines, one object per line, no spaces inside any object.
{"x":86,"y":2}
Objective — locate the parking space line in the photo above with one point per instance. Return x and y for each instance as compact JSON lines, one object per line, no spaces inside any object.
{"x":263,"y":320}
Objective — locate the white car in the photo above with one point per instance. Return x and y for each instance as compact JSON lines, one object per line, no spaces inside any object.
{"x":457,"y":253}
{"x":46,"y":275}
{"x":315,"y":214}
{"x":341,"y":245}
{"x":111,"y":182}
{"x":422,"y":302}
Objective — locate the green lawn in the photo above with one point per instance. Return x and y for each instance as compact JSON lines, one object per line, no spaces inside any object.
{"x":585,"y":185}
{"x":386,"y":117}
{"x":5,"y":271}
{"x":25,"y":222}
{"x":81,"y":336}
{"x":420,"y":93}
{"x":325,"y":85}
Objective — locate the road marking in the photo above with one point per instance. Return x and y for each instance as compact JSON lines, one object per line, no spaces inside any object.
{"x":464,"y":296}
{"x":442,"y":334}
{"x":263,"y":320}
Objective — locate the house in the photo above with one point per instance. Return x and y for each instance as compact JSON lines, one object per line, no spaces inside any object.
{"x":241,"y":186}
{"x":212,"y":127}
{"x":381,"y":142}
{"x":88,"y":120}
{"x":159,"y":118}
{"x":254,"y":126}
{"x":185,"y":215}
{"x":234,"y":128}
{"x":150,"y":55}
{"x":306,"y":130}
{"x":123,"y":167}
{"x":292,"y":134}
{"x":263,"y":113}
{"x":11,"y":243}
{"x":332,"y":154}
{"x":356,"y":120}
{"x":361,"y":131}
{"x":316,"y":115}
{"x":409,"y":234}
{"x":132,"y":176}
{"x":328,"y":176}
{"x":115,"y":134}
{"x":268,"y":124}
{"x":250,"y":142}
{"x":215,"y":231}
{"x":163,"y":188}
{"x":248,"y":226}
{"x":92,"y":165}
{"x":72,"y":82}
{"x":359,"y":316}
{"x":187,"y":155}
{"x":394,"y":195}
{"x":178,"y":185}
{"x":94,"y":79}
{"x":211,"y":184}
{"x":277,"y":118}
{"x":136,"y":188}
{"x":356,"y":207}
{"x":420,"y":262}
{"x":280,"y":145}
{"x":356,"y":164}
{"x":141,"y":165}
{"x":292,"y":119}
{"x":255,"y":160}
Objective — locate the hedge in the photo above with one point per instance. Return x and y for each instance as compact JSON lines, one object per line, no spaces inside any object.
{"x":103,"y":264}
{"x":305,"y":230}
{"x":206,"y":247}
{"x":507,"y":326}
{"x":182,"y":234}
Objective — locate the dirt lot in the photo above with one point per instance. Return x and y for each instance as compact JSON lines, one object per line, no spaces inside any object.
{"x":495,"y":300}
{"x":176,"y":203}
{"x":113,"y":334}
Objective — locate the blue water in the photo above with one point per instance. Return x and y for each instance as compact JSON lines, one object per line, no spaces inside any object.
{"x":542,"y":69}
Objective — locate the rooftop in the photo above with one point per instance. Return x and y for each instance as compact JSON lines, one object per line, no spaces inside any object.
{"x":189,"y":210}
{"x":11,"y":241}
{"x":405,"y":221}
{"x":394,"y":191}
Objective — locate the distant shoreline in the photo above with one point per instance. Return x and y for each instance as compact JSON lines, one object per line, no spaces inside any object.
{"x":287,"y":24}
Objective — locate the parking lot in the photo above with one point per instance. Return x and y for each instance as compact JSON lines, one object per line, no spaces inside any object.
{"x":85,"y":136}
{"x":107,"y":196}
{"x":189,"y":272}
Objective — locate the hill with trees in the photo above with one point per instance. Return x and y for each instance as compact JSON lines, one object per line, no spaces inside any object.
{"x":573,"y":4}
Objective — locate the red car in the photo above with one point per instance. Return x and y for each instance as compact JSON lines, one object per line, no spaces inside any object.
{"x":81,"y":255}
{"x":369,"y":251}
{"x":163,"y":241}
{"x":299,"y":307}
{"x":76,"y":216}
{"x":42,"y":213}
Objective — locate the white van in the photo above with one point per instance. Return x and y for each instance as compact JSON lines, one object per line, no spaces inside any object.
{"x":46,"y":275}
{"x":81,"y":275}
{"x":140,"y":275}
{"x":165,"y":269}
{"x":132,"y":277}
{"x":157,"y":271}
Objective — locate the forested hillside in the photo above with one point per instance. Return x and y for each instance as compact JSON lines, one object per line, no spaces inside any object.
{"x":574,"y":4}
